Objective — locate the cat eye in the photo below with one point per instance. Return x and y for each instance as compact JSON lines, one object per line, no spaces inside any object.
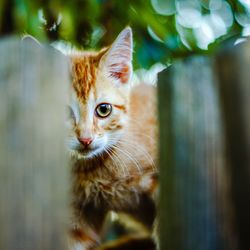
{"x":103,"y":110}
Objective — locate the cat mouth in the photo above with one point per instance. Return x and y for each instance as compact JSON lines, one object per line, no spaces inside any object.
{"x":88,"y":152}
{"x":85,"y":151}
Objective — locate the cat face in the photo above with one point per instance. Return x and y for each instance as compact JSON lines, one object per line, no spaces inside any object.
{"x":100,"y":97}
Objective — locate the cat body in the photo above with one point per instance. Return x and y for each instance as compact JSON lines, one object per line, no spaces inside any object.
{"x":112,"y":142}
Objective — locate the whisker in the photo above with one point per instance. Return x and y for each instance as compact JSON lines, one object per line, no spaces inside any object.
{"x":130,"y":157}
{"x":141,"y":149}
{"x":112,"y":154}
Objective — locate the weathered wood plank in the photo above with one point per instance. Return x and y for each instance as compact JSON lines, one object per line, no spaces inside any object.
{"x":232,"y":67}
{"x":192,"y":173}
{"x":33,"y":163}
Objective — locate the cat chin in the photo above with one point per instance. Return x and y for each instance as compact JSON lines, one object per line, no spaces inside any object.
{"x":85,"y":155}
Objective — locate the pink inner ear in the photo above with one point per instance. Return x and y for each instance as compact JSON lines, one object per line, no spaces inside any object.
{"x":122,"y":74}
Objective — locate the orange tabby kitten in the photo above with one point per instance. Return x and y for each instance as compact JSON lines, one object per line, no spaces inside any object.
{"x":112,"y":141}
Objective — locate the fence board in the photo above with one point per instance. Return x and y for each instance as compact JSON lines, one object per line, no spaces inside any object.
{"x":192,"y":160}
{"x":232,"y":67}
{"x":33,"y":163}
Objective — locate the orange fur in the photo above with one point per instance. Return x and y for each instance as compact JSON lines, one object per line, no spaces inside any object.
{"x":123,"y":178}
{"x":84,"y":69}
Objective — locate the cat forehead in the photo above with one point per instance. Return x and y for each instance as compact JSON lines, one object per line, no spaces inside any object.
{"x":84,"y":71}
{"x":90,"y":82}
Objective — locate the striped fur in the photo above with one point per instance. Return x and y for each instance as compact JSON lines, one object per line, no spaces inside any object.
{"x":84,"y":69}
{"x":118,"y":171}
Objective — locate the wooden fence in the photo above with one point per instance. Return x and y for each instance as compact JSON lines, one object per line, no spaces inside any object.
{"x":33,"y":163}
{"x":204,"y":150}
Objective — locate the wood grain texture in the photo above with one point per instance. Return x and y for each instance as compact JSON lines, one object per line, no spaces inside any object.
{"x":194,"y":188}
{"x":33,"y":162}
{"x":232,"y":68}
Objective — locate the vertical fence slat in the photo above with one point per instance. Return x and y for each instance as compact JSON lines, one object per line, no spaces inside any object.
{"x":33,"y":163}
{"x":233,"y":69}
{"x":170,"y":237}
{"x":191,"y":157}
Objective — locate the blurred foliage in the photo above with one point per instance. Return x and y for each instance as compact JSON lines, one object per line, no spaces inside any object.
{"x":163,"y":29}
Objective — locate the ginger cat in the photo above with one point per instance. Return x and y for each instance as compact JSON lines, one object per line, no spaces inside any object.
{"x":112,"y":143}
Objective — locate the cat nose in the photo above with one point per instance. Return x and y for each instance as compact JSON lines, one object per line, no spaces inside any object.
{"x":85,"y":141}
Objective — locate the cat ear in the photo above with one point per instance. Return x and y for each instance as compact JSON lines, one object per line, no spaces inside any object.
{"x":117,"y":61}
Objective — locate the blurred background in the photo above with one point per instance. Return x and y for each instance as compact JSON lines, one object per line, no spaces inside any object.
{"x":163,"y":29}
{"x":203,"y":113}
